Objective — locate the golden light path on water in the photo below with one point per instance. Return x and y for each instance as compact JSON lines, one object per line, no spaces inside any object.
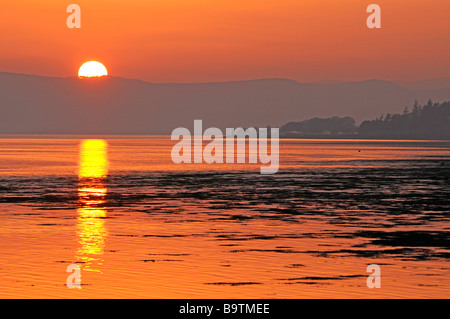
{"x":91,"y":230}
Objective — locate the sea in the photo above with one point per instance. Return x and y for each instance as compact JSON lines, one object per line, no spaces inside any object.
{"x":137,"y":225}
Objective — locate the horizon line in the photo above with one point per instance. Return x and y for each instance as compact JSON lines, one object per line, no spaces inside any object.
{"x":319,"y":82}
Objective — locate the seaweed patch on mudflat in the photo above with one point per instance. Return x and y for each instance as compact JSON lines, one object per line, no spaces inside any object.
{"x":408,"y":200}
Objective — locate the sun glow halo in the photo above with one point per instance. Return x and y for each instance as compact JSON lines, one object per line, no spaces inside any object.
{"x":92,"y":69}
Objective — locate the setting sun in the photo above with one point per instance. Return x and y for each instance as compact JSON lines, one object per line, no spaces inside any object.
{"x":92,"y":69}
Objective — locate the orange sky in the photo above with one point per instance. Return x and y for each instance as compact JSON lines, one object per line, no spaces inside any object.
{"x":217,"y":40}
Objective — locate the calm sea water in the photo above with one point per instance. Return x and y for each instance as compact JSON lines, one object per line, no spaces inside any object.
{"x":140,"y":226}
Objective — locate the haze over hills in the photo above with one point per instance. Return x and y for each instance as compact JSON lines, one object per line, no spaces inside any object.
{"x":31,"y":104}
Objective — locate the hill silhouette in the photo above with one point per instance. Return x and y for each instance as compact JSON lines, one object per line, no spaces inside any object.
{"x":111,"y":105}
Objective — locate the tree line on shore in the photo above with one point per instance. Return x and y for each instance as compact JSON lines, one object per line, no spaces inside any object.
{"x":429,"y":121}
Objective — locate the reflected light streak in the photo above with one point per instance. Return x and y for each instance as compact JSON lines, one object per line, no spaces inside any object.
{"x":92,"y":190}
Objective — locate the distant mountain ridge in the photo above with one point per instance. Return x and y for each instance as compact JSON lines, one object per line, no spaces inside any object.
{"x":32,"y":104}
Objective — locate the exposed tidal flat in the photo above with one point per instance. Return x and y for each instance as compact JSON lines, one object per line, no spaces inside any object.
{"x":145,"y":227}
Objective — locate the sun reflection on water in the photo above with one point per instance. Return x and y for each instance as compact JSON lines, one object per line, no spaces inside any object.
{"x":92,"y":190}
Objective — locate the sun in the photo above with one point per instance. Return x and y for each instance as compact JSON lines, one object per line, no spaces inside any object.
{"x":92,"y":69}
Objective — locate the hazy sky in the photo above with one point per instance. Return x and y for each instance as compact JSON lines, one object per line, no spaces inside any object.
{"x":217,"y":40}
